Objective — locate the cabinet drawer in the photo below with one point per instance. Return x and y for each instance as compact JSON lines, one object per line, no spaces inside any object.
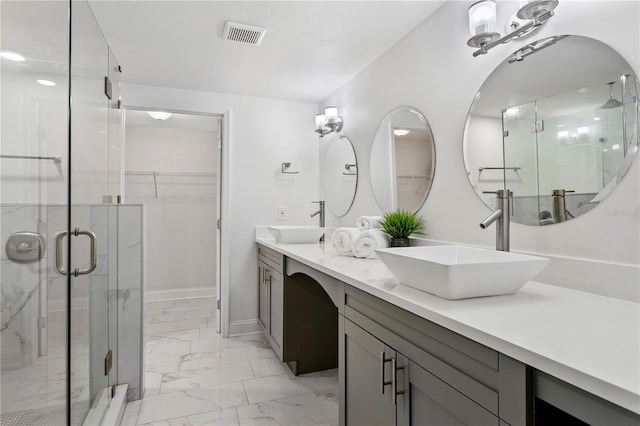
{"x":272,"y":258}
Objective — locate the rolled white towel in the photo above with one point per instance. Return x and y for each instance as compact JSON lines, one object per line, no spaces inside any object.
{"x":364,"y":223}
{"x":343,"y":238}
{"x":368,"y":241}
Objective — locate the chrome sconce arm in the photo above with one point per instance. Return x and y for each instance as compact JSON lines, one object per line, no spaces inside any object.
{"x":328,"y":122}
{"x":482,"y":21}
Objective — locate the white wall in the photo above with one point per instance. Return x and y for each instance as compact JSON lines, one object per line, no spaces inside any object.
{"x":180,"y":221}
{"x":263,"y":134}
{"x":433,"y":70}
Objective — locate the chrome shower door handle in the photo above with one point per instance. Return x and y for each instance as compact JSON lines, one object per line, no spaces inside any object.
{"x":93,"y":259}
{"x":59,"y":267}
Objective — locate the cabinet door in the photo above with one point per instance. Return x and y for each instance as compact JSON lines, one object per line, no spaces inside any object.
{"x":428,"y":400}
{"x":368,"y":398}
{"x":263,"y":295}
{"x":276,"y":308}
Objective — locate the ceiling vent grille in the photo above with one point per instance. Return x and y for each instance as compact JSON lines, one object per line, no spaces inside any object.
{"x":241,"y":33}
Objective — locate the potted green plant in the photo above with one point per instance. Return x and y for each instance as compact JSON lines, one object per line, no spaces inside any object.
{"x":399,"y":225}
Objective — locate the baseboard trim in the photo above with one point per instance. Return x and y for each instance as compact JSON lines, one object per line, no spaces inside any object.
{"x":244,"y":327}
{"x":180,"y":293}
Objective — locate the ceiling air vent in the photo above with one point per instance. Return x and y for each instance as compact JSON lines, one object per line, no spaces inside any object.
{"x":243,"y":33}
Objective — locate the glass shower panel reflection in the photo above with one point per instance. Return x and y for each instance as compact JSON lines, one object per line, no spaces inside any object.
{"x":520,"y":171}
{"x":33,"y":207}
{"x":580,"y":148}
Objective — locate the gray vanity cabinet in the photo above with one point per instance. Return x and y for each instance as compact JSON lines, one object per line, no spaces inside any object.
{"x":398,"y":368}
{"x":383,"y":387}
{"x":271,"y":296}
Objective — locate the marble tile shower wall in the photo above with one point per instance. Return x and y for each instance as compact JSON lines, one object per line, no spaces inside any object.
{"x":33,"y":307}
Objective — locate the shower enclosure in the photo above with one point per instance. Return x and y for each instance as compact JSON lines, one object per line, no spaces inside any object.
{"x":576,"y":142}
{"x":60,"y":224}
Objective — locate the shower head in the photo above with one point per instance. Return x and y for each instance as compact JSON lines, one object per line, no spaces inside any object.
{"x":612,"y":102}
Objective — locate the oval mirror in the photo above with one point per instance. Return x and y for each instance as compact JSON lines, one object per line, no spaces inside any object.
{"x":557,"y":124}
{"x":340,"y":175}
{"x":402,"y":161}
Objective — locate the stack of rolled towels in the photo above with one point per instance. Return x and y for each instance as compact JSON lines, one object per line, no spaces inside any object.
{"x":363,"y":240}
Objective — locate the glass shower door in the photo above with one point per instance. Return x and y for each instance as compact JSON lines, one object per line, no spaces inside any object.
{"x":94,"y":184}
{"x":34,"y":151}
{"x":59,"y":171}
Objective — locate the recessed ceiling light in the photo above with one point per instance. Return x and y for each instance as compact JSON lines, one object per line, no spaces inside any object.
{"x":46,"y":82}
{"x":401,"y":132}
{"x":616,"y":146}
{"x":596,"y":118}
{"x":160,"y":115}
{"x":12,"y":56}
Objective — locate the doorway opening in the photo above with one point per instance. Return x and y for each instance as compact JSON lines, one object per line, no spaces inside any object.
{"x":173,"y":168}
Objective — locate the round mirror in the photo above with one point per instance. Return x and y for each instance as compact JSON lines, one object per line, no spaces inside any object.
{"x":402,"y":161}
{"x":557,"y":124}
{"x":340,"y":177}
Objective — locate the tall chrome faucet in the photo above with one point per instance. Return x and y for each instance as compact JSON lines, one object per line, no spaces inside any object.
{"x":321,"y":213}
{"x":502,"y":217}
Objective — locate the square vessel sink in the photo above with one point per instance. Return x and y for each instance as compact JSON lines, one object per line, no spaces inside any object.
{"x":459,"y":272}
{"x":296,"y":234}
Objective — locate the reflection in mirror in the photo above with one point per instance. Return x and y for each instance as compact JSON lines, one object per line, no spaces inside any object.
{"x":402,"y":161}
{"x":340,"y":177}
{"x":559,"y":129}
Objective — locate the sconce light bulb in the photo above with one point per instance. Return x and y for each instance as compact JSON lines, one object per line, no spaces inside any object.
{"x":482,"y":17}
{"x":321,"y":120}
{"x":331,"y":113}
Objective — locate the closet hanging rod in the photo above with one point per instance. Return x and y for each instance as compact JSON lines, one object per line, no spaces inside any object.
{"x":412,"y":176}
{"x":179,"y":174}
{"x":515,"y":169}
{"x":55,"y":159}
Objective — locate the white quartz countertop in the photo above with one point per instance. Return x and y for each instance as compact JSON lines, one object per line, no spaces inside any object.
{"x":590,"y":341}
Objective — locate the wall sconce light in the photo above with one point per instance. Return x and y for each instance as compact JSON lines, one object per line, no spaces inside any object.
{"x":328,"y":122}
{"x":482,"y":22}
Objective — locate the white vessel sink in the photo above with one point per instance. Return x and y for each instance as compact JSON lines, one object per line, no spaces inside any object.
{"x":459,"y":272}
{"x":296,"y":234}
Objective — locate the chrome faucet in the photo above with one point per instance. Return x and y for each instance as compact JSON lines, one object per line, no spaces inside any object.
{"x":502,"y":217}
{"x":321,"y":213}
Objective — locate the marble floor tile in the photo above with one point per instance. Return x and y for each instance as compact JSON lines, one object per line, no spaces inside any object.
{"x":195,"y":377}
{"x":226,"y":417}
{"x":155,"y":350}
{"x":267,"y":367}
{"x":208,"y":332}
{"x":176,"y":325}
{"x":302,"y":410}
{"x":130,"y":416}
{"x":162,"y":365}
{"x":174,"y":336}
{"x":152,"y":383}
{"x":181,"y":380}
{"x":173,"y":316}
{"x":193,"y":401}
{"x":272,"y":387}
